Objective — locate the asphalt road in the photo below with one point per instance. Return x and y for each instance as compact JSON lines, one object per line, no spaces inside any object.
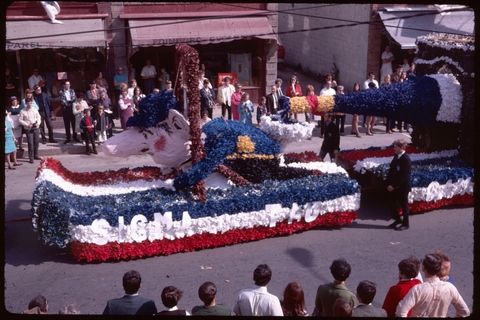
{"x":372,"y":249}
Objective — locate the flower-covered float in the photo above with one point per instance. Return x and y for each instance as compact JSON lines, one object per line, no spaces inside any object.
{"x":232,"y":185}
{"x":441,"y":151}
{"x":439,"y":178}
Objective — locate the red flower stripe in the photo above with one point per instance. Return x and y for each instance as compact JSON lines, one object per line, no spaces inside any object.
{"x":421,"y":206}
{"x":122,"y":251}
{"x":105,"y":177}
{"x":303,"y":157}
{"x":351,"y":157}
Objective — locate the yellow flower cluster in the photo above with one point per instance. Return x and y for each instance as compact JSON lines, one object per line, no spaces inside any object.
{"x":325,"y":103}
{"x":245,"y":145}
{"x":299,"y":105}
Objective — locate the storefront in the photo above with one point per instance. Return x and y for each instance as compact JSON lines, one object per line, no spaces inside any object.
{"x":74,"y":50}
{"x":240,"y":45}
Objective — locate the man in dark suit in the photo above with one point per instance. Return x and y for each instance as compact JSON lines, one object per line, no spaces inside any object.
{"x":331,"y":142}
{"x":46,"y":112}
{"x":366,"y":291}
{"x":278,"y":84}
{"x":272,"y":101}
{"x":67,"y":97}
{"x":131,"y":303}
{"x":399,"y":185}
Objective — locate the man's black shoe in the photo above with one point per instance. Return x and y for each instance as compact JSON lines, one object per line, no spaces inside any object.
{"x":52,"y":140}
{"x":31,"y":160}
{"x":394,"y":224}
{"x":66,"y":141}
{"x":44,"y":141}
{"x":401,"y":228}
{"x":77,"y":140}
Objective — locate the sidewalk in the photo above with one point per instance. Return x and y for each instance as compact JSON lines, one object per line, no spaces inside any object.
{"x":51,"y":149}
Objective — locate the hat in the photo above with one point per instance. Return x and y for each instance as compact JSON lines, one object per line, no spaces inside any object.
{"x":119,"y":68}
{"x":340,"y":88}
{"x":13,"y":98}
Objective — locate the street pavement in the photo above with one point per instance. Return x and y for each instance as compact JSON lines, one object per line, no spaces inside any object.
{"x":372,"y":249}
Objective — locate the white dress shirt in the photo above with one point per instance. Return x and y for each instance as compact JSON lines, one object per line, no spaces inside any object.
{"x":257,"y":302}
{"x":327,"y":92}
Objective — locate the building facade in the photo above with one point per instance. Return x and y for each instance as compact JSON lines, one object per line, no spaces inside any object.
{"x":237,"y":39}
{"x":347,"y":40}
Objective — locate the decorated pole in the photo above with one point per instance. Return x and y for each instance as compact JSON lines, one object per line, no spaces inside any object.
{"x":187,"y":57}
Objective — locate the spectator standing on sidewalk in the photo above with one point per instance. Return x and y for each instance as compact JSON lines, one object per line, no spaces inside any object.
{"x":293,"y":90}
{"x":148,"y":74}
{"x":45,"y":109}
{"x":356,"y":88}
{"x":30,"y":119}
{"x":67,"y":97}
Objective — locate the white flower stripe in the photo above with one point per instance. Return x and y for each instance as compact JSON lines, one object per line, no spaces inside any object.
{"x":436,"y":191}
{"x":452,"y":98}
{"x":286,"y":133}
{"x":367,"y":164}
{"x":219,"y":224}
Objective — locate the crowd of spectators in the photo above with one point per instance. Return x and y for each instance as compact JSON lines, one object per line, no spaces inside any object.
{"x":30,"y":119}
{"x":412,"y":296}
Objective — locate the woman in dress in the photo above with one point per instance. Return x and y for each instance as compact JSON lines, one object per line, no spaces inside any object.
{"x":356,"y":88}
{"x":10,"y":147}
{"x":371,"y":120}
{"x":236,"y":97}
{"x":126,"y":108}
{"x":245,"y":109}
{"x":293,"y":303}
{"x":14,"y":111}
{"x":294,"y":90}
{"x":387,"y":58}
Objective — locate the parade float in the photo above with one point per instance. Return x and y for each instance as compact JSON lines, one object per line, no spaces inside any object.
{"x":229,"y":183}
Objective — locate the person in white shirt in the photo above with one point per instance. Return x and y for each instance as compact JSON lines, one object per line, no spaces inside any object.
{"x":371,"y":78}
{"x":148,"y":74}
{"x":30,"y":119}
{"x":36,"y":80}
{"x":257,"y":301}
{"x":225,"y":97}
{"x":432,"y":298}
{"x":387,"y":58}
{"x":201,"y":79}
{"x":326,"y":91}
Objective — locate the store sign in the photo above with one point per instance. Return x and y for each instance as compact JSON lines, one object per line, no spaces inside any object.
{"x":21,"y":46}
{"x":233,"y":78}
